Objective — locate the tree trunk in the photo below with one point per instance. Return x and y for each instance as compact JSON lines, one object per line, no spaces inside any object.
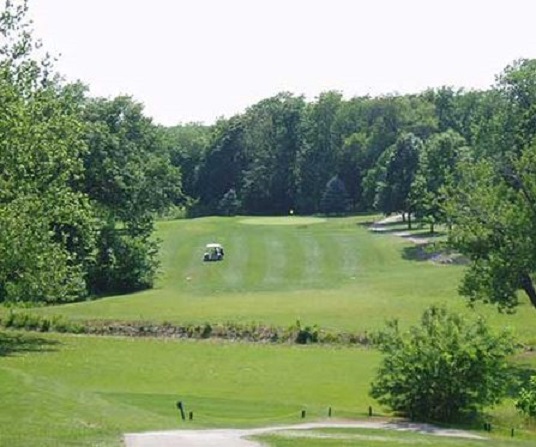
{"x":528,"y":287}
{"x":409,"y":221}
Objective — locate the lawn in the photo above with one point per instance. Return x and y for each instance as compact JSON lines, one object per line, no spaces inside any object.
{"x":73,"y":390}
{"x":87,"y":391}
{"x":83,"y":390}
{"x":331,"y":272}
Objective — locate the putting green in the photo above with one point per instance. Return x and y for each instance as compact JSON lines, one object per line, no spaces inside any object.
{"x":283,"y":220}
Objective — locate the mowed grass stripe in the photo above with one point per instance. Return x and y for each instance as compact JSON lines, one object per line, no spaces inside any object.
{"x":295,"y":272}
{"x":312,"y":260}
{"x":254,"y":253}
{"x":236,"y":261}
{"x":276,"y":259}
{"x":349,"y":254}
{"x":330,"y":259}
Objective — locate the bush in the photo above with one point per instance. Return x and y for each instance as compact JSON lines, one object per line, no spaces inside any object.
{"x":526,"y":403}
{"x":441,"y":369}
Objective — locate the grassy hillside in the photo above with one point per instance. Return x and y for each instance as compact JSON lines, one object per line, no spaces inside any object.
{"x":334,"y":273}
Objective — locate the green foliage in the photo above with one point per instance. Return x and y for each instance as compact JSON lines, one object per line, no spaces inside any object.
{"x":187,"y":144}
{"x":129,"y":177}
{"x":127,"y":167}
{"x":494,"y":217}
{"x":34,"y":322}
{"x":437,"y":174}
{"x":127,"y":260}
{"x":221,"y":168}
{"x":335,"y":199}
{"x":494,"y":207}
{"x":395,"y":175}
{"x":517,"y":85}
{"x":33,"y":266}
{"x":272,"y":139}
{"x":317,"y":155}
{"x":229,"y":204}
{"x":526,"y":402}
{"x":48,"y":231}
{"x":442,"y":368}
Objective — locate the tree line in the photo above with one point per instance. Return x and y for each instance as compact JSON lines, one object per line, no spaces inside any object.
{"x":282,"y":152}
{"x":462,"y":159}
{"x":83,"y":179}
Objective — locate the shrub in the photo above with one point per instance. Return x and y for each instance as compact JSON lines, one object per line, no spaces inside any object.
{"x":442,"y":368}
{"x":526,"y":402}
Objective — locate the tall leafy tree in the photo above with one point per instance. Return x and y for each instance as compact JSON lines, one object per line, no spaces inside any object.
{"x":494,"y":208}
{"x":222,"y":167}
{"x":352,"y":167}
{"x":317,"y":157}
{"x":494,"y":215}
{"x":436,"y":174}
{"x":187,"y":145}
{"x":396,"y":173}
{"x":48,"y":233}
{"x":129,"y":178}
{"x":272,"y":138}
{"x":127,"y":167}
{"x":517,"y":84}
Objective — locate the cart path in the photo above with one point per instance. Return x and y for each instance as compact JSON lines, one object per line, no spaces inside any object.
{"x":238,"y":437}
{"x":381,"y":226}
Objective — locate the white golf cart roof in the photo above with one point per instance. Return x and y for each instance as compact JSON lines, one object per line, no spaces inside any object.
{"x":213,"y":245}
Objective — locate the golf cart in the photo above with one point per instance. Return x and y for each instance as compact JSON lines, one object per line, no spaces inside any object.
{"x":213,"y":252}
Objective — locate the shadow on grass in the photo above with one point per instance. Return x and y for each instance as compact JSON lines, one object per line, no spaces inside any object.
{"x":18,"y":343}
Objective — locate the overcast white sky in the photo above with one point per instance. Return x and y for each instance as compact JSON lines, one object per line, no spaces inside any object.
{"x":196,"y":60}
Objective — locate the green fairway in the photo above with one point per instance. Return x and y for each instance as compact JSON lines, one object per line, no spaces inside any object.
{"x":334,"y":273}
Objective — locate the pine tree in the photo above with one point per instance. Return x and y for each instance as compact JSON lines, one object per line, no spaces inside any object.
{"x":335,"y":199}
